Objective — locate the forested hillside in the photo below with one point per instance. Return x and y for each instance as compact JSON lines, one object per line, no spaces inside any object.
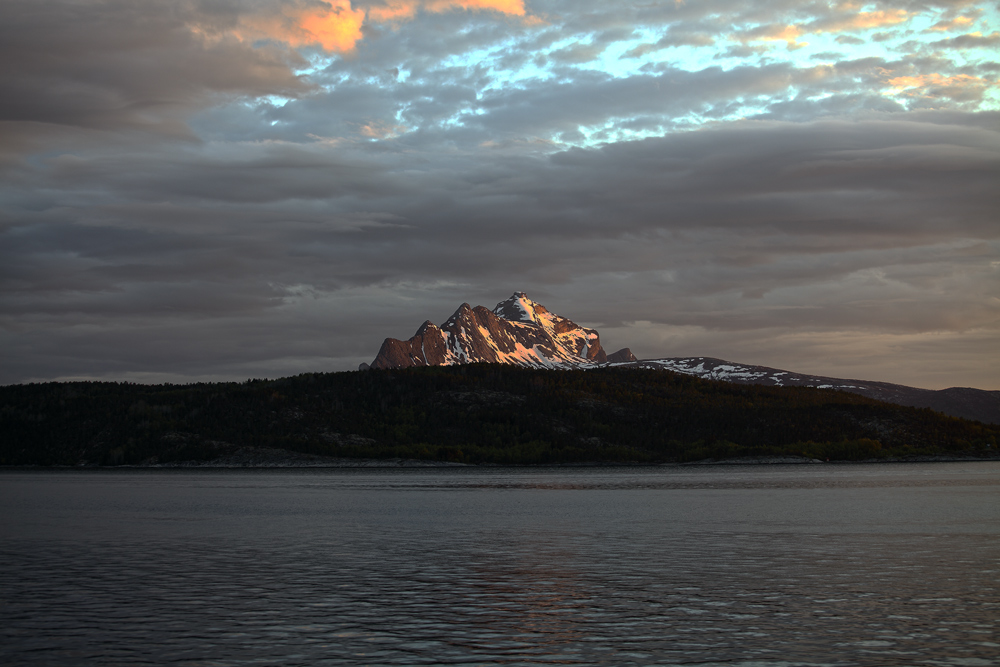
{"x":473,"y":414}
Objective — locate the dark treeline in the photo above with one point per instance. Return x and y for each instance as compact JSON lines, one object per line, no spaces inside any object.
{"x":472,"y":414}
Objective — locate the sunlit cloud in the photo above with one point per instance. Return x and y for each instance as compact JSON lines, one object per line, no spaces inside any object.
{"x":958,"y":87}
{"x":405,"y":9}
{"x":789,"y":34}
{"x":861,"y":21}
{"x":380,"y":130}
{"x":924,"y":80}
{"x":333,"y":26}
{"x":957,"y":23}
{"x":336,"y":25}
{"x":335,"y":29}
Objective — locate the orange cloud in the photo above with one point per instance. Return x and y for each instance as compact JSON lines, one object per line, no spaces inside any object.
{"x":957,"y":23}
{"x":925,"y":80}
{"x":866,"y":20}
{"x":789,"y":34}
{"x":515,"y":7}
{"x":934,"y":85}
{"x":397,"y":10}
{"x":335,"y":29}
{"x":336,"y":25}
{"x":861,"y":21}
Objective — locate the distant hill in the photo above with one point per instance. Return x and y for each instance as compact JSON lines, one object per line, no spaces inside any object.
{"x":482,"y":413}
{"x":975,"y":404}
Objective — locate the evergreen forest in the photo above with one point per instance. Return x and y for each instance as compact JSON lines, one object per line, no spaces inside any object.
{"x":475,"y":414}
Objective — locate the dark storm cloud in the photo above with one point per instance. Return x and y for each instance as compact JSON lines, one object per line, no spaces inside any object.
{"x":841,"y":186}
{"x":118,"y":63}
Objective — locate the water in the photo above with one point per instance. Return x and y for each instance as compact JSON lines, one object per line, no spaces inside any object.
{"x":894,"y":564}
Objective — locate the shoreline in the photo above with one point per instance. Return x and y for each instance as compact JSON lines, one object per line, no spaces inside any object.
{"x":268,"y":461}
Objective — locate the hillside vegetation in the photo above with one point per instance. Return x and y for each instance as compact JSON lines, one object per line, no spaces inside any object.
{"x":472,"y":414}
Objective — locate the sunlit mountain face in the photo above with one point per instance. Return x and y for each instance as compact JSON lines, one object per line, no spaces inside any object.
{"x":222,"y":189}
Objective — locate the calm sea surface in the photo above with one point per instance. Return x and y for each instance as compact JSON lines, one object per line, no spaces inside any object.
{"x":893,"y":564}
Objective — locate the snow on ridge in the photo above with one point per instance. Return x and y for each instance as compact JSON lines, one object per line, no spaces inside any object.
{"x":717,"y":369}
{"x":703,"y":367}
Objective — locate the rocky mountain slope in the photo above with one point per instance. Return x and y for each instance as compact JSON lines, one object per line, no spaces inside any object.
{"x":518,"y":331}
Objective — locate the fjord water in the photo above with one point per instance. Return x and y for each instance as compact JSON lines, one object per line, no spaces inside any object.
{"x":885,"y":564}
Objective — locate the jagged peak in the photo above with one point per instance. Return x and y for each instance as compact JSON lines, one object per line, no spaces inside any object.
{"x":623,"y":355}
{"x":425,"y":326}
{"x":464,"y":309}
{"x":519,"y":308}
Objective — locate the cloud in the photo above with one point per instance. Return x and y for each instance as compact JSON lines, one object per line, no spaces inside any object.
{"x":338,"y":25}
{"x":957,"y":23}
{"x":832,"y":224}
{"x":860,"y":21}
{"x":395,"y":10}
{"x":836,"y":23}
{"x":577,"y":53}
{"x":218,"y":189}
{"x":335,"y":29}
{"x":380,"y":130}
{"x":119,"y":68}
{"x":958,"y":87}
{"x":972,"y":40}
{"x":773,"y":33}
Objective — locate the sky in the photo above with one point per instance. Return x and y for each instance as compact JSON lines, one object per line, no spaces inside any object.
{"x":200,"y":190}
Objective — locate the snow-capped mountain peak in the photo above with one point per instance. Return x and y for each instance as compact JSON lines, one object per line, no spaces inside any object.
{"x":517,"y":331}
{"x":517,"y":308}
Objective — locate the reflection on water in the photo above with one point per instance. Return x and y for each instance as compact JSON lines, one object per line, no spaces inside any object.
{"x":837,"y":565}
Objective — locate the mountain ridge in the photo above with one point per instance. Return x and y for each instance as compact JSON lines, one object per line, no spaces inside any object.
{"x":522,"y":332}
{"x":965,"y":402}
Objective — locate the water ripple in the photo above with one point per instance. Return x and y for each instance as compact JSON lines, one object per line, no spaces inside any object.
{"x":333,"y":569}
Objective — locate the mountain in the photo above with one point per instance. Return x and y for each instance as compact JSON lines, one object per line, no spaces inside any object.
{"x":623,"y":355}
{"x":521,"y":332}
{"x":964,"y":402}
{"x":517,"y":331}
